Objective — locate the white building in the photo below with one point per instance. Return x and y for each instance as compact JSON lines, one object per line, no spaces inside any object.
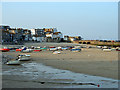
{"x":54,"y":35}
{"x":32,"y":31}
{"x":38,"y":35}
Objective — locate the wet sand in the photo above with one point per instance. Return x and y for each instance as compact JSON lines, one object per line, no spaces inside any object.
{"x":90,"y":61}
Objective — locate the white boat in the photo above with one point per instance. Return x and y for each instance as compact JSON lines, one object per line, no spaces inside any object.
{"x":104,"y":47}
{"x":15,"y":62}
{"x":27,"y":50}
{"x":24,"y":57}
{"x":59,"y":48}
{"x":99,"y":47}
{"x":56,"y":52}
{"x":64,"y":48}
{"x":107,"y":50}
{"x":52,"y":49}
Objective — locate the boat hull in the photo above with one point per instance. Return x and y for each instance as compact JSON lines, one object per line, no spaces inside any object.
{"x":24,"y":59}
{"x":26,"y":51}
{"x":75,"y":50}
{"x":37,"y":50}
{"x":13,"y":63}
{"x":18,"y":49}
{"x":107,"y":50}
{"x":4,"y":50}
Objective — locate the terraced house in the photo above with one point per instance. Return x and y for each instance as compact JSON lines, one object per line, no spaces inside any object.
{"x":13,"y":35}
{"x":38,"y":35}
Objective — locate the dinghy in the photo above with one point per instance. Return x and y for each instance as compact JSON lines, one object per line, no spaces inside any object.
{"x":75,"y":50}
{"x":64,"y":48}
{"x":53,"y":49}
{"x":37,"y":50}
{"x":43,"y":48}
{"x":27,"y":50}
{"x":4,"y":50}
{"x":59,"y":48}
{"x":56,"y":52}
{"x":107,"y":50}
{"x":18,"y":49}
{"x":15,"y":62}
{"x":24,"y":57}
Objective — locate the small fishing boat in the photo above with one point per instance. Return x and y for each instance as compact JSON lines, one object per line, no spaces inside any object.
{"x":26,"y":50}
{"x":18,"y":49}
{"x":15,"y":62}
{"x":4,"y":49}
{"x":59,"y":48}
{"x":37,"y":47}
{"x":99,"y":47}
{"x":64,"y":48}
{"x":37,"y":50}
{"x":107,"y":50}
{"x":53,"y":49}
{"x":104,"y":47}
{"x":43,"y":48}
{"x":24,"y":57}
{"x":75,"y":49}
{"x":56,"y":52}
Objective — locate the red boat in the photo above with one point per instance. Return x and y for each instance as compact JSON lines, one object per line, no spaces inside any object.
{"x":4,"y":50}
{"x":51,"y":47}
{"x":37,"y":50}
{"x":18,"y":49}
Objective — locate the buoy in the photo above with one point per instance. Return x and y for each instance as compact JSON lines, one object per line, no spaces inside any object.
{"x":98,"y":85}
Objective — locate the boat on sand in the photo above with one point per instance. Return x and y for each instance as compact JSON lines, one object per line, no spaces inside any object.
{"x":14,"y":62}
{"x":24,"y":57}
{"x":56,"y":52}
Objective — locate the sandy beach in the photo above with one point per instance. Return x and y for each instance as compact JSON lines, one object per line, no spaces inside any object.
{"x":90,"y":61}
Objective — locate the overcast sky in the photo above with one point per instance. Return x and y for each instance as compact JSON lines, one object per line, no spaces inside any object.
{"x":91,"y":20}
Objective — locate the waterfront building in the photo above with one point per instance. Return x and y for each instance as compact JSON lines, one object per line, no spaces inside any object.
{"x":38,"y":35}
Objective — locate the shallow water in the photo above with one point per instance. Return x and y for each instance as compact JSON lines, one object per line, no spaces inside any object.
{"x":51,"y":75}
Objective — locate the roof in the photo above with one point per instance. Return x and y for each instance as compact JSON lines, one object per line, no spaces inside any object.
{"x":56,"y":33}
{"x":48,"y":33}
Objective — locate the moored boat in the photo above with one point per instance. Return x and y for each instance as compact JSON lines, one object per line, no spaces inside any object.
{"x":15,"y":62}
{"x":56,"y":52}
{"x":43,"y":48}
{"x":4,"y":49}
{"x":107,"y":50}
{"x":117,"y":49}
{"x":24,"y":57}
{"x":18,"y":49}
{"x":37,"y":50}
{"x":75,"y":49}
{"x":26,"y":50}
{"x":64,"y":48}
{"x":53,"y":49}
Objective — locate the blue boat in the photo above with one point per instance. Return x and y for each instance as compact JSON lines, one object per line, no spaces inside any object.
{"x":64,"y":48}
{"x":76,"y":50}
